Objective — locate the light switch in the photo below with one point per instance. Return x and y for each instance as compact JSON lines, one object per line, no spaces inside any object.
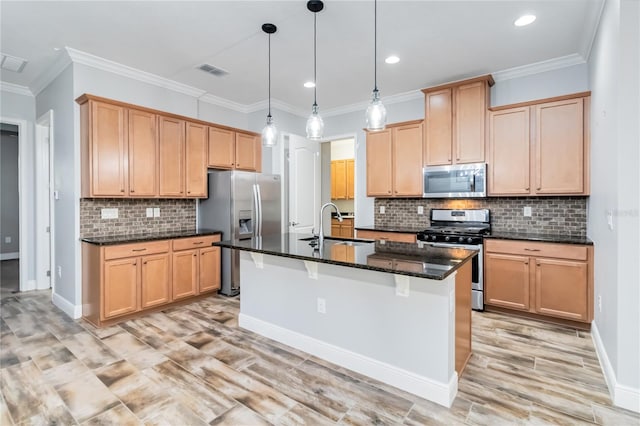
{"x":109,"y":213}
{"x":382,"y":209}
{"x":420,"y":210}
{"x":149,"y":211}
{"x":527,"y":211}
{"x":7,"y":240}
{"x":156,"y":212}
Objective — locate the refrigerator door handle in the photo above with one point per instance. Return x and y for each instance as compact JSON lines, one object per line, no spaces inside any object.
{"x":259,"y":215}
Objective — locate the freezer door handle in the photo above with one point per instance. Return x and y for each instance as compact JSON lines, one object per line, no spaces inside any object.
{"x":258,"y":209}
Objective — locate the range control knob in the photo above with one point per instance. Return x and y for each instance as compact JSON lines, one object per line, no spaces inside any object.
{"x":470,"y":240}
{"x":460,"y":239}
{"x":433,"y":238}
{"x":447,"y":238}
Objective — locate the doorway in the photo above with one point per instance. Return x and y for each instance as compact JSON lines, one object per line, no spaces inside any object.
{"x":339,"y":184}
{"x":9,"y":210}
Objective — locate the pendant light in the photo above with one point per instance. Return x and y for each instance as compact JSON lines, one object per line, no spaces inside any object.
{"x":315,"y":125}
{"x":269,"y":133}
{"x":376,"y":112}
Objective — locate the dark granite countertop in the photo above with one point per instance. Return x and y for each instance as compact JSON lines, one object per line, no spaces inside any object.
{"x":548,"y":238}
{"x":148,"y":236}
{"x":398,"y":229}
{"x":397,"y":258}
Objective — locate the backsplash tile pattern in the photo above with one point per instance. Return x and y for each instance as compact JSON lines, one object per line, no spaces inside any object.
{"x":550,"y":215}
{"x":175,"y":215}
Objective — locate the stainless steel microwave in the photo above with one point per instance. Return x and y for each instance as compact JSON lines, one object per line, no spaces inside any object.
{"x":456,"y":181}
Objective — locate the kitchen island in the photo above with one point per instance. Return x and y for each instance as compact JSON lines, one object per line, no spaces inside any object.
{"x":396,"y":312}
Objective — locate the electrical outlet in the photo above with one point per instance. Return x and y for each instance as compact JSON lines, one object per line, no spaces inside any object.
{"x":322,"y":305}
{"x":156,"y":212}
{"x":59,"y":271}
{"x":599,"y":303}
{"x":382,"y":209}
{"x":7,"y":240}
{"x":420,"y":210}
{"x":527,"y":211}
{"x":109,"y":213}
{"x":610,"y":219}
{"x":149,"y":211}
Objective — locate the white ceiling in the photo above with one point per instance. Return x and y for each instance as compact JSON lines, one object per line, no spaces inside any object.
{"x":437,"y":41}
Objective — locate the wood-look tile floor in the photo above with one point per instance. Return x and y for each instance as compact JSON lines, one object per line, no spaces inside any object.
{"x":192,"y":365}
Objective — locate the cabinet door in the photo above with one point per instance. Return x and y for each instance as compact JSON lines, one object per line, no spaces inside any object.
{"x":507,"y":281}
{"x":351,"y":189}
{"x":470,"y":102}
{"x":509,"y":147}
{"x":559,"y":147}
{"x":346,"y":230}
{"x":561,"y":289}
{"x":196,"y":160}
{"x":379,"y":161}
{"x":334,"y":178}
{"x":155,"y":284}
{"x":222,"y":145}
{"x":341,"y":179}
{"x":336,"y":229}
{"x":438,"y":131}
{"x":209,"y":269}
{"x":171,"y":157}
{"x":247,"y":147}
{"x":120,"y":287}
{"x":108,"y":172}
{"x":143,"y":154}
{"x":185,"y":273}
{"x":407,"y":162}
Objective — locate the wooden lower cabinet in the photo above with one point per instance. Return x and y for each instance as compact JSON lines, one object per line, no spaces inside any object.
{"x":387,"y":236}
{"x":121,"y":280}
{"x":549,"y":279}
{"x":342,"y":229}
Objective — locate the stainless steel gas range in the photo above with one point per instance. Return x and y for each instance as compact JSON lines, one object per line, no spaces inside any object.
{"x":462,"y":229}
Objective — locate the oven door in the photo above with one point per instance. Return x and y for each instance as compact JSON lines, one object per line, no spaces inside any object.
{"x":477,"y":272}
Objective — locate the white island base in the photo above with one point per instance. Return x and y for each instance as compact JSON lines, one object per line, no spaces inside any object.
{"x":400,"y":330}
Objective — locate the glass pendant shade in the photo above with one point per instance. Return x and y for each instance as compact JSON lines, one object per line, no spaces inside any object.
{"x":269,"y":133}
{"x":376,"y":113}
{"x":315,"y":125}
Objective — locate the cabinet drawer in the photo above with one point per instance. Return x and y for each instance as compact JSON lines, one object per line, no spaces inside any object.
{"x":387,"y":236}
{"x":537,"y":249}
{"x":194,"y":242}
{"x":136,"y":249}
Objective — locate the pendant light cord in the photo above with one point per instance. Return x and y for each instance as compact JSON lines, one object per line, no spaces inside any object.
{"x":269,"y":115}
{"x":375,"y":45}
{"x":315,"y":79}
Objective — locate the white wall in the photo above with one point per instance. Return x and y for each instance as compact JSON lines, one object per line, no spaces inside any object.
{"x":342,"y":149}
{"x":20,"y":107}
{"x":58,"y":96}
{"x":615,"y":186}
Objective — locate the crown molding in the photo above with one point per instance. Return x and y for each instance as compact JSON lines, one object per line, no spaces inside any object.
{"x":277,"y":104}
{"x":15,"y":88}
{"x":225,"y":103}
{"x":93,"y":61}
{"x":362,"y":106}
{"x":61,"y":63}
{"x":538,"y":67}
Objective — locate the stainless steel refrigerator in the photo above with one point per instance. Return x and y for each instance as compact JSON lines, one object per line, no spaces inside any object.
{"x":242,"y":205}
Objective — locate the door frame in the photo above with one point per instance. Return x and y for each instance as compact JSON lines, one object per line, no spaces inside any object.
{"x":44,"y":196}
{"x":22,"y":199}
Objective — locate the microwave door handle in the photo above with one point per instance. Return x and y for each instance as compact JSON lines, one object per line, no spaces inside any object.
{"x":473,"y":182}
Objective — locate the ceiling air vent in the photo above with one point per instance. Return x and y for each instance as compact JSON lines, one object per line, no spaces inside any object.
{"x":218,"y":72}
{"x":13,"y":63}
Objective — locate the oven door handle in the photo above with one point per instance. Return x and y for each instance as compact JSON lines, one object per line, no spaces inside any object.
{"x":451,"y":246}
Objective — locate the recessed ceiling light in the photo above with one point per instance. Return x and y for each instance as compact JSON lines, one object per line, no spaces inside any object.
{"x":392,"y":59}
{"x":524,"y":20}
{"x":309,"y":84}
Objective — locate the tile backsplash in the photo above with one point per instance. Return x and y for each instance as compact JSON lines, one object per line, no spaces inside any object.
{"x":175,"y":215}
{"x":549,"y":215}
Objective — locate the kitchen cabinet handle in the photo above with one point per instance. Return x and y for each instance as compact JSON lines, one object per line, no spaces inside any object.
{"x":198,"y":242}
{"x":122,"y":190}
{"x":134,"y":263}
{"x":132,"y":190}
{"x":144,"y":263}
{"x":142,"y":249}
{"x":527,"y":188}
{"x":194,"y":255}
{"x":528,"y":249}
{"x":537,"y":263}
{"x":526,"y":263}
{"x":389,"y":191}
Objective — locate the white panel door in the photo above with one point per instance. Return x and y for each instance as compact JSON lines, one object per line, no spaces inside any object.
{"x":304,"y":184}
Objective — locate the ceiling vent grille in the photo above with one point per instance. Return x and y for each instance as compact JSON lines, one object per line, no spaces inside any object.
{"x":12,"y":63}
{"x":218,"y":72}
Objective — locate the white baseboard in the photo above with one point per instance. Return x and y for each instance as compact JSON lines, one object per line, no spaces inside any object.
{"x":74,"y":311}
{"x":622,"y":396}
{"x":9,"y":256}
{"x":438,"y":392}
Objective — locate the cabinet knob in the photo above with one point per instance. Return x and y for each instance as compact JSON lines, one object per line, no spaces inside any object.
{"x":122,"y":190}
{"x":188,"y":192}
{"x":527,"y":188}
{"x":144,"y":263}
{"x":132,"y":190}
{"x":194,"y":255}
{"x":134,"y":263}
{"x":389,"y":192}
{"x":526,"y":263}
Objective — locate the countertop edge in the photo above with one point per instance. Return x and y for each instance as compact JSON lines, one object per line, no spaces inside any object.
{"x":145,"y":238}
{"x":552,"y":239}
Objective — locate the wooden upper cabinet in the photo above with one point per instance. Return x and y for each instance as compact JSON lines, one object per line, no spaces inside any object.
{"x":171,"y":156}
{"x":339,"y":180}
{"x":104,"y":150}
{"x":222,"y":144}
{"x":143,"y":153}
{"x":438,"y":129}
{"x":407,"y":160}
{"x":196,"y":159}
{"x":379,"y":163}
{"x":508,"y":170}
{"x":351,"y":188}
{"x":248,"y":152}
{"x":559,"y":147}
{"x":455,"y":117}
{"x":540,"y":147}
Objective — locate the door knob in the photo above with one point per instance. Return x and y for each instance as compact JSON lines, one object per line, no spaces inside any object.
{"x":293,"y":223}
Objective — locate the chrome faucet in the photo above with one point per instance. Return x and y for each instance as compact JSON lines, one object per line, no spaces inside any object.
{"x":321,"y":233}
